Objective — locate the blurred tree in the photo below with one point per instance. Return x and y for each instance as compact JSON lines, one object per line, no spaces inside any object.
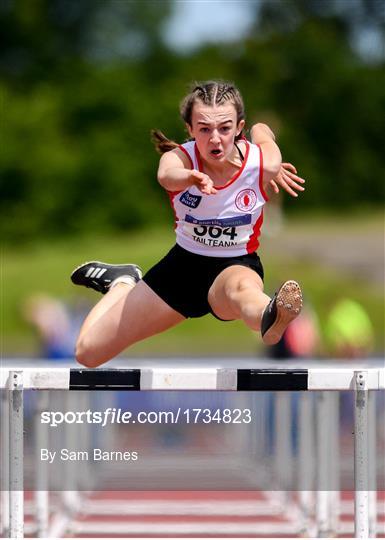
{"x":40,"y":39}
{"x":356,"y":19}
{"x":325,"y":91}
{"x":78,"y":115}
{"x":84,"y":82}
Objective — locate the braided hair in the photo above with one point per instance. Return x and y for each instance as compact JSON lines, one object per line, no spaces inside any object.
{"x":209,"y":93}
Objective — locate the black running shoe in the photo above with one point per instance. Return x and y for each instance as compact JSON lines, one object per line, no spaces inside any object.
{"x":99,"y":276}
{"x":285,"y":306}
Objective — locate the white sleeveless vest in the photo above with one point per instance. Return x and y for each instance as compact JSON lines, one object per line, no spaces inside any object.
{"x":228,"y":223}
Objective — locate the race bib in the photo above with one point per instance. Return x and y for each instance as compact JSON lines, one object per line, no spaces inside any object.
{"x":215,"y":232}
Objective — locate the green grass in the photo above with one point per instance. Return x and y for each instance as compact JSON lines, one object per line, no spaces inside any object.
{"x":45,"y":268}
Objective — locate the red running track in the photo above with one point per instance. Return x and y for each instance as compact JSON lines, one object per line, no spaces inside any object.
{"x":126,"y":514}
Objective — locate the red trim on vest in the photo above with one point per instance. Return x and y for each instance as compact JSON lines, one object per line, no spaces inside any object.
{"x":187,"y":154}
{"x":253,"y":243}
{"x":236,"y":175}
{"x":261,"y":188}
{"x":172,"y":195}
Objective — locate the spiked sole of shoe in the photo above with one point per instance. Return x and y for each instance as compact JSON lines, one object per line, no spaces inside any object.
{"x":289,"y":305}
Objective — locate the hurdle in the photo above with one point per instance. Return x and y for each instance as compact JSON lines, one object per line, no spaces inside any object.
{"x":360,"y":381}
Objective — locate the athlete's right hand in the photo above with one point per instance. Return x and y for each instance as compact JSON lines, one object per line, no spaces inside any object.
{"x":203,"y":182}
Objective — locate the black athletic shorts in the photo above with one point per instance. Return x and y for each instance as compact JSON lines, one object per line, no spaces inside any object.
{"x":183,"y":279}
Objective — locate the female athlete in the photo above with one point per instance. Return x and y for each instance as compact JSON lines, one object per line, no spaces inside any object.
{"x":216,"y":183}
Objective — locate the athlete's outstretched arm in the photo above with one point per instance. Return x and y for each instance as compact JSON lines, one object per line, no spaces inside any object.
{"x":286,"y":175}
{"x":262,"y":135}
{"x":175,"y":174}
{"x":288,"y":180}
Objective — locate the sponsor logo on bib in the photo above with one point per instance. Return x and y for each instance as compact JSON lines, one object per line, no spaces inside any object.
{"x":246,"y":200}
{"x":190,"y":200}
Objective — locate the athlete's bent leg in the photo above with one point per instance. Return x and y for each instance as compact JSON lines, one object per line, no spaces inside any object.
{"x":125,"y":315}
{"x":237,"y":293}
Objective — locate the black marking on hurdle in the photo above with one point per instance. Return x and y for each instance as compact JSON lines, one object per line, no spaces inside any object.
{"x":104,"y":379}
{"x":272,"y":379}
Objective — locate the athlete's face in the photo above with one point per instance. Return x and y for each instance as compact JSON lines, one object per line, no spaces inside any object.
{"x":214,"y":129}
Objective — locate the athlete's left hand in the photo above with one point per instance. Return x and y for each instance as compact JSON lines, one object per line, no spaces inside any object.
{"x":288,"y":180}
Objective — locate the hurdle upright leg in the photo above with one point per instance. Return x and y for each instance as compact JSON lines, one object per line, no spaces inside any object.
{"x":361,"y":447}
{"x":305,"y":466}
{"x":372,"y":464}
{"x":334,"y":499}
{"x":16,"y":491}
{"x":324,"y":449}
{"x":70,"y":495}
{"x":4,"y":441}
{"x":41,"y":479}
{"x":282,"y":447}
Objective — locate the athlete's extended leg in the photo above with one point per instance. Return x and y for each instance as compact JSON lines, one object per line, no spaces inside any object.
{"x":237,"y":293}
{"x":126,"y":314}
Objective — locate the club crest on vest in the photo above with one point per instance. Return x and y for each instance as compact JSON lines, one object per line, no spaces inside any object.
{"x":246,"y":200}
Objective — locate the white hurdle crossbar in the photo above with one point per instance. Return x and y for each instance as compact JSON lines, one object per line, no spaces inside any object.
{"x":215,"y":379}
